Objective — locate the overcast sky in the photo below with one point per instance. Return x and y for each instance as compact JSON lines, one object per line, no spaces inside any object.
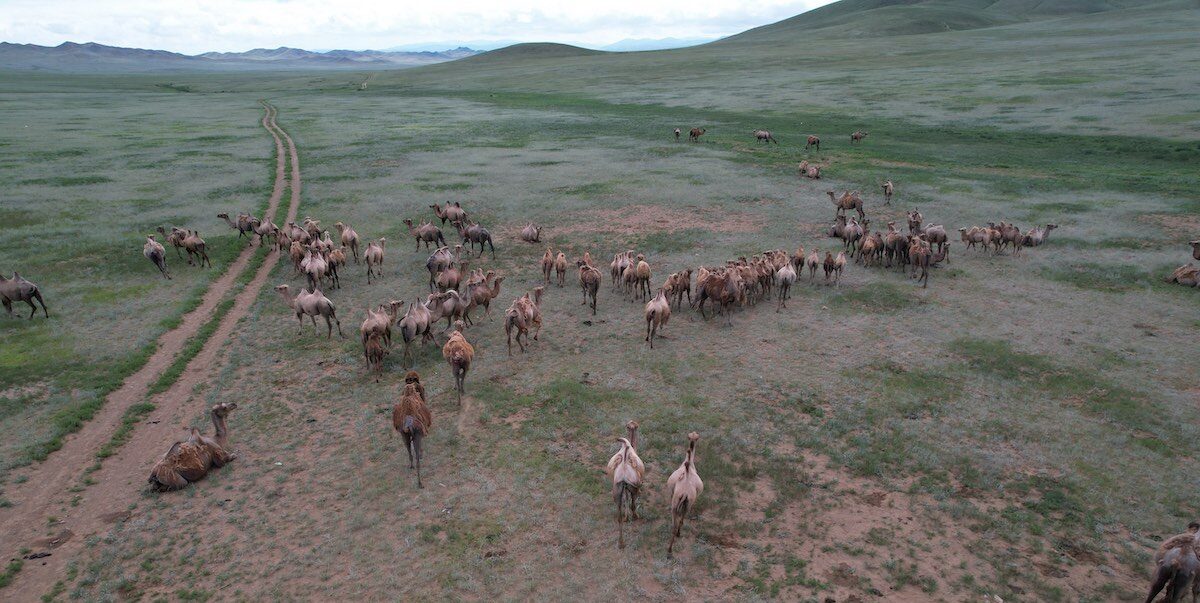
{"x":194,"y":26}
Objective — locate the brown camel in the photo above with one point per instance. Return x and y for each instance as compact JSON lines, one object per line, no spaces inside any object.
{"x":1187,"y":275}
{"x":857,"y":136}
{"x":311,"y":304}
{"x":190,"y":460}
{"x":658,"y":312}
{"x":412,"y":419}
{"x":419,"y":320}
{"x":848,"y":200}
{"x":531,"y":233}
{"x":1176,"y":566}
{"x":174,"y":238}
{"x":458,"y":354}
{"x":589,"y":282}
{"x":245,"y":224}
{"x":765,"y":135}
{"x":349,"y":238}
{"x":426,"y":233}
{"x":17,"y":289}
{"x":813,"y":141}
{"x":451,"y":213}
{"x":1195,"y":249}
{"x":888,"y":190}
{"x":195,"y":246}
{"x":695,"y":134}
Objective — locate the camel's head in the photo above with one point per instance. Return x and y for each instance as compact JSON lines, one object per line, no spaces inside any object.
{"x":693,"y":437}
{"x":460,"y":326}
{"x":412,"y":377}
{"x":225,"y":216}
{"x":579,"y":263}
{"x":338,"y":225}
{"x":1050,"y":227}
{"x":408,"y":221}
{"x":631,"y":425}
{"x":641,"y":257}
{"x":223,"y":410}
{"x":282,"y":288}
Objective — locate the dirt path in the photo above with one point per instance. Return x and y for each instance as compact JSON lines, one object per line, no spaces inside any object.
{"x":120,"y":481}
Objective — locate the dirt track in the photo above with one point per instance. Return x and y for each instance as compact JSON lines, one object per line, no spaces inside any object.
{"x":120,"y":481}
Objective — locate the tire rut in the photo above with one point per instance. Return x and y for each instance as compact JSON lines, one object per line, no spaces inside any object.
{"x":121,"y":478}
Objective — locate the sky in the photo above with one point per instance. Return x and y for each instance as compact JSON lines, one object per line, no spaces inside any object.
{"x":195,"y":26}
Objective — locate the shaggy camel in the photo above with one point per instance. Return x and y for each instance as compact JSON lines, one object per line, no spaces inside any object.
{"x":174,"y":238}
{"x":812,"y":263}
{"x":560,"y":268}
{"x":439,"y":260}
{"x":935,"y":234}
{"x":473,"y":234}
{"x":311,"y":304}
{"x":531,"y":233}
{"x":658,"y":312}
{"x":589,"y":282}
{"x":374,"y":351}
{"x":765,"y":135}
{"x":798,"y":260}
{"x":190,"y":460}
{"x":1176,"y":566}
{"x":857,"y":136}
{"x":195,"y":246}
{"x":695,"y":134}
{"x":626,"y":470}
{"x":373,"y":256}
{"x":419,"y":320}
{"x":679,"y":284}
{"x":888,"y":190}
{"x":683,"y":488}
{"x":245,"y":224}
{"x":813,"y":172}
{"x":1187,"y":275}
{"x":524,"y":314}
{"x":17,"y":289}
{"x":153,"y":250}
{"x":480,"y":294}
{"x":426,"y":233}
{"x":458,"y":353}
{"x":380,"y":322}
{"x":723,"y":288}
{"x":412,"y":419}
{"x":349,"y":238}
{"x":455,"y":307}
{"x":914,"y":222}
{"x":620,"y":263}
{"x":784,"y":278}
{"x":451,"y":213}
{"x":451,"y":277}
{"x":848,"y":200}
{"x":813,"y":141}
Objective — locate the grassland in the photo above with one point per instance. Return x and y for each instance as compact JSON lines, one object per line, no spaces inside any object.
{"x":1021,"y":428}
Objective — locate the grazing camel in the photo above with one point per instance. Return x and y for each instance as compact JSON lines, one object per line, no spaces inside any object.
{"x":1187,"y":275}
{"x":153,"y":250}
{"x":695,"y":134}
{"x":888,"y":190}
{"x":589,"y":282}
{"x":17,"y":289}
{"x":784,"y":278}
{"x":190,"y":460}
{"x":458,"y":353}
{"x":473,"y":233}
{"x":848,"y":200}
{"x":174,"y":238}
{"x":373,"y":256}
{"x":765,"y":135}
{"x":1176,"y":566}
{"x":412,"y":419}
{"x":658,"y":312}
{"x":531,"y":233}
{"x":349,"y":238}
{"x":813,"y":141}
{"x":857,"y":136}
{"x":560,"y":268}
{"x":677,"y":133}
{"x":426,"y":233}
{"x":311,"y":304}
{"x":419,"y":320}
{"x":452,"y":213}
{"x":626,"y":473}
{"x":683,"y":488}
{"x":195,"y":246}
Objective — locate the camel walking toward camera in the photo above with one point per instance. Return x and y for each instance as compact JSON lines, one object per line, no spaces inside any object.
{"x":312,"y":304}
{"x":524,"y":314}
{"x":813,"y":141}
{"x":626,"y":470}
{"x":888,"y":190}
{"x":481,"y":294}
{"x":411,"y":419}
{"x":349,"y":238}
{"x":764,"y":135}
{"x":190,"y":460}
{"x":153,"y":250}
{"x":17,"y":289}
{"x":695,"y":134}
{"x":683,"y":488}
{"x":458,"y":354}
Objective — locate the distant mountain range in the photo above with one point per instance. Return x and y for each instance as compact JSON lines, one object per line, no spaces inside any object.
{"x":73,"y":57}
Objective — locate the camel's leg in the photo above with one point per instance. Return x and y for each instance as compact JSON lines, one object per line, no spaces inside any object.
{"x":618,"y":496}
{"x":417,"y":445}
{"x":7,"y":305}
{"x":339,"y":325}
{"x":300,"y":317}
{"x":408,"y":442}
{"x":648,"y":321}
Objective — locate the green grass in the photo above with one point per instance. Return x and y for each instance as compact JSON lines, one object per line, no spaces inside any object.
{"x":1109,"y":278}
{"x":10,"y":572}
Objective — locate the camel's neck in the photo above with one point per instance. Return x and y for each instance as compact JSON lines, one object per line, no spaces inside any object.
{"x":230,"y":222}
{"x":632,"y":437}
{"x":221,"y":432}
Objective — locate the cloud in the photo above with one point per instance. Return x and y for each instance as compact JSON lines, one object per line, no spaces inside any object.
{"x":193,"y":26}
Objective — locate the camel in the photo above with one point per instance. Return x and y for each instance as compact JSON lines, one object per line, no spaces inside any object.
{"x":374,"y":350}
{"x":451,"y":213}
{"x":1176,"y":565}
{"x":547,"y":264}
{"x":784,"y":278}
{"x":245,"y":224}
{"x":195,"y":246}
{"x":683,"y":488}
{"x":524,"y":314}
{"x":373,"y":256}
{"x":315,"y":267}
{"x":620,"y":263}
{"x":312,"y":227}
{"x":765,"y":135}
{"x":474,"y":233}
{"x":459,"y":354}
{"x":440,"y":260}
{"x":812,"y":262}
{"x":480,"y":294}
{"x":658,"y":312}
{"x":679,"y":284}
{"x":455,"y":307}
{"x":153,"y":250}
{"x":695,"y":134}
{"x":723,"y":289}
{"x":1037,"y":235}
{"x":589,"y":282}
{"x":1187,"y":275}
{"x":813,"y":172}
{"x":311,"y":304}
{"x":451,"y":278}
{"x":17,"y":289}
{"x":190,"y":460}
{"x":888,"y":190}
{"x":935,"y":234}
{"x":427,"y":233}
{"x":626,"y":474}
{"x":266,"y":229}
{"x":813,"y":141}
{"x":349,"y":238}
{"x":380,"y":322}
{"x":412,"y":419}
{"x":419,"y":320}
{"x":560,"y":268}
{"x":174,"y":238}
{"x":531,"y":233}
{"x":641,"y":276}
{"x":848,"y":200}
{"x":921,"y":257}
{"x":914,"y":222}
{"x":296,"y":252}
{"x":677,"y":133}
{"x":857,"y":136}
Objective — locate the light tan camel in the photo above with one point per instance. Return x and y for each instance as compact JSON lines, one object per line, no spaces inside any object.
{"x":311,"y":304}
{"x":153,"y":250}
{"x":683,"y":488}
